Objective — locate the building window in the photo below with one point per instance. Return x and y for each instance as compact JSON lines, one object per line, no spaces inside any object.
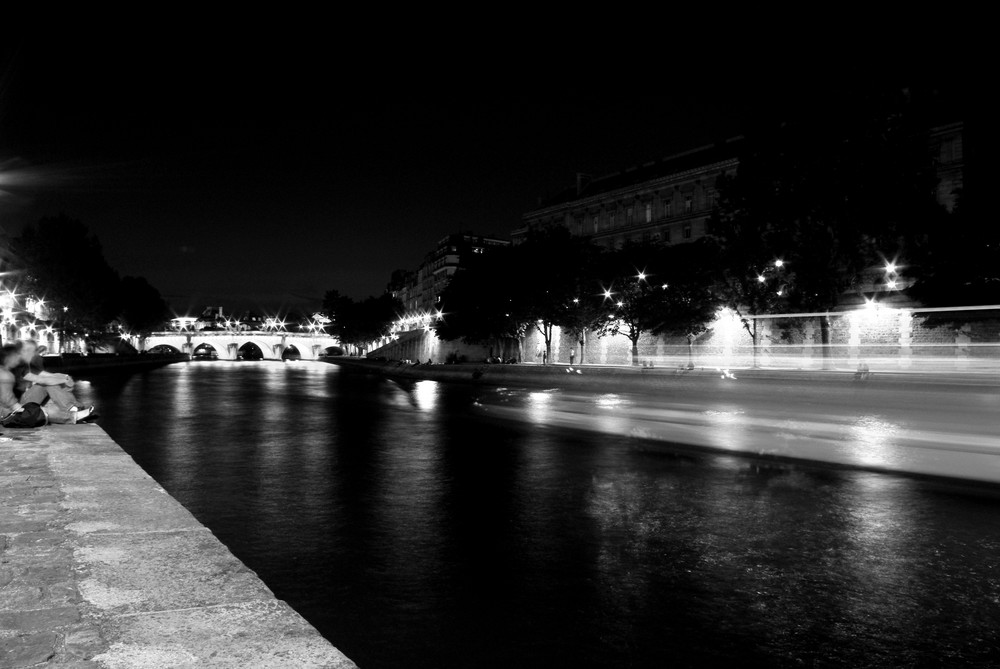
{"x":668,"y":208}
{"x":687,"y":204}
{"x":649,"y":212}
{"x":629,"y":215}
{"x":595,"y":223}
{"x":687,"y":231}
{"x":611,"y":221}
{"x":666,"y":235}
{"x":657,"y":236}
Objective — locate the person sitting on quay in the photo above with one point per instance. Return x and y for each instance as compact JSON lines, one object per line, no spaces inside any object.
{"x":23,"y":381}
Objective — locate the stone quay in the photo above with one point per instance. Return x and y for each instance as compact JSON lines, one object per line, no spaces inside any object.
{"x":100,"y":567}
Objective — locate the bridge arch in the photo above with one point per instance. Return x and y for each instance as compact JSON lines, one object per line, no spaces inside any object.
{"x":266,"y":350}
{"x":164,"y":348}
{"x":204,"y":349}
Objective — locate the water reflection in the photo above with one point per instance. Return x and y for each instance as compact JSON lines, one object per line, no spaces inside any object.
{"x":418,"y":525}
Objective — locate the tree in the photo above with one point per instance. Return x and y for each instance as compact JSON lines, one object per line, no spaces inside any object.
{"x":551,"y":268}
{"x":832,"y":194}
{"x":360,"y":323}
{"x":658,"y":290}
{"x":143,"y":308}
{"x":959,"y":265}
{"x":477,"y":307}
{"x":62,"y":262}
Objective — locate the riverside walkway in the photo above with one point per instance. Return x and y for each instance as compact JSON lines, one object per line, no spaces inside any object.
{"x":101,"y":568}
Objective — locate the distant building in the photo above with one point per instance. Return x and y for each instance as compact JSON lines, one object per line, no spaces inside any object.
{"x":669,"y":200}
{"x":945,"y":143}
{"x":420,"y":290}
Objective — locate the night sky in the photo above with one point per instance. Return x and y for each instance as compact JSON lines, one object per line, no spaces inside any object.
{"x":257,"y":174}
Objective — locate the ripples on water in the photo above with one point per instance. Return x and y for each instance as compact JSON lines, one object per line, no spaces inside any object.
{"x":416,"y":528}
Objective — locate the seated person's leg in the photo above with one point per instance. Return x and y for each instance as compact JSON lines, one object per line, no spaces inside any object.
{"x":60,"y":396}
{"x":35,"y":393}
{"x":57,"y":415}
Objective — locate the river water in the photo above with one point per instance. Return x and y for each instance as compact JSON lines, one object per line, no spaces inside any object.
{"x":415,"y":528}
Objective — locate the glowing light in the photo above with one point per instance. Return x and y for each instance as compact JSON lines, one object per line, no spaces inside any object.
{"x":779,"y":262}
{"x":641,"y":276}
{"x":664,"y":286}
{"x":621,"y":304}
{"x":780,"y":293}
{"x":729,"y":328}
{"x":576,"y":300}
{"x":760,"y":278}
{"x":891,"y":284}
{"x":890,"y":268}
{"x":607,"y":293}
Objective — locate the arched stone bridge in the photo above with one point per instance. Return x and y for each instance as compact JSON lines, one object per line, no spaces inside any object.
{"x":227,"y":344}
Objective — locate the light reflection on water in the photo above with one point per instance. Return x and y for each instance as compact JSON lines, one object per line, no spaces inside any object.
{"x":416,"y":525}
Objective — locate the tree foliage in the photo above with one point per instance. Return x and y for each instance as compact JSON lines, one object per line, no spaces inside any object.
{"x":834,"y":192}
{"x":360,"y":323}
{"x":657,"y":289}
{"x":959,"y":265}
{"x":143,"y":308}
{"x":60,"y":261}
{"x":482,"y":303}
{"x":833,"y":195}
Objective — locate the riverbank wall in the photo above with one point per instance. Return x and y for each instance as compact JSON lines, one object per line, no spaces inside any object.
{"x":623,"y":378}
{"x":110,"y":362}
{"x":101,"y":568}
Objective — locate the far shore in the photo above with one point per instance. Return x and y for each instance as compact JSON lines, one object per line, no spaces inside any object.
{"x":607,"y":378}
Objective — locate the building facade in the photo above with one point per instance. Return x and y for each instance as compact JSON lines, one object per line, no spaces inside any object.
{"x":945,"y":143}
{"x":668,"y":201}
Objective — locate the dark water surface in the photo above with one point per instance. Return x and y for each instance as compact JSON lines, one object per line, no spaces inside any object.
{"x":415,"y":530}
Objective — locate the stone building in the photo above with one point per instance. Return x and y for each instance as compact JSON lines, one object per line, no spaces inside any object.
{"x":945,"y":144}
{"x":669,"y":200}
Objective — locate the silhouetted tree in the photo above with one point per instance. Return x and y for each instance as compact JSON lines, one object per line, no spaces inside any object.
{"x":482,"y":302}
{"x":62,"y":262}
{"x":143,"y":308}
{"x":658,"y":289}
{"x":833,"y":192}
{"x":959,"y":265}
{"x":360,"y":323}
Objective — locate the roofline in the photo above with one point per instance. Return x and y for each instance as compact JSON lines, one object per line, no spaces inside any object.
{"x":642,"y":185}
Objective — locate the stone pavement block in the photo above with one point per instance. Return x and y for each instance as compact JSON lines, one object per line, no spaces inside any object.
{"x":39,"y":619}
{"x":162,"y":570}
{"x":262,"y":635}
{"x":125,"y":506}
{"x":28,"y":650}
{"x":77,"y":469}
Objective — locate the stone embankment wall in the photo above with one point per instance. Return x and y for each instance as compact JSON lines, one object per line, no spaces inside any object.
{"x":884,"y":338}
{"x":890,"y":338}
{"x":101,"y":568}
